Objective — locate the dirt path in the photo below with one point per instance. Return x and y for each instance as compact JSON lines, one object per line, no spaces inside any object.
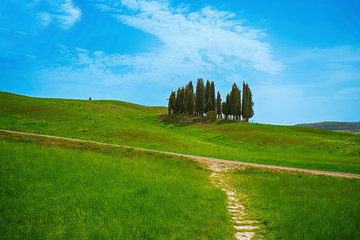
{"x":222,"y":163}
{"x":245,"y":228}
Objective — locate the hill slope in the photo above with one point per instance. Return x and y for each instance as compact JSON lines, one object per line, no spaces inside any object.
{"x":134,"y":125}
{"x":353,"y":127}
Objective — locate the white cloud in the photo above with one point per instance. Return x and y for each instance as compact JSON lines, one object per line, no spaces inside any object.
{"x":206,"y":43}
{"x":68,"y":14}
{"x":63,"y":12}
{"x":209,"y":38}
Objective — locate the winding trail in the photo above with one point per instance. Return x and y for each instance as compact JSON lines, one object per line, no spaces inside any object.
{"x":207,"y":160}
{"x":245,"y":229}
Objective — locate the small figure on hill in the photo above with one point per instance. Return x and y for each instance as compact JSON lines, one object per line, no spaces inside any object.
{"x":89,"y":98}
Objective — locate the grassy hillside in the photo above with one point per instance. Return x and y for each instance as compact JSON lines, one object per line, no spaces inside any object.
{"x":65,"y":190}
{"x":129,"y":124}
{"x":57,"y":189}
{"x":353,"y":127}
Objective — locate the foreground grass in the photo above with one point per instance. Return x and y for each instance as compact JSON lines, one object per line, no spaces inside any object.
{"x":292,"y":206}
{"x":139,"y":126}
{"x":58,"y":190}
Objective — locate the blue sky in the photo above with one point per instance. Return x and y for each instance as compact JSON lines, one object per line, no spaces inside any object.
{"x":300,"y":58}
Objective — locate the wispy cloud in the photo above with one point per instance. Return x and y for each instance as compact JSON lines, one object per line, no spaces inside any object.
{"x":64,"y":13}
{"x":210,"y":37}
{"x":206,"y":43}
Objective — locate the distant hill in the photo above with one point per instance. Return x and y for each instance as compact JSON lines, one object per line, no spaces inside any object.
{"x":353,"y":127}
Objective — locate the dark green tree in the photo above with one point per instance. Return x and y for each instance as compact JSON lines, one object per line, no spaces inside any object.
{"x":182,"y":100}
{"x":190,"y":99}
{"x":227,"y":106}
{"x":200,"y":97}
{"x":209,"y":105}
{"x":207,"y":94}
{"x":212,"y":96}
{"x":177,"y":102}
{"x":247,"y":103}
{"x":238,"y":104}
{"x":218,"y":105}
{"x":225,"y":110}
{"x":171,"y":106}
{"x":235,"y":101}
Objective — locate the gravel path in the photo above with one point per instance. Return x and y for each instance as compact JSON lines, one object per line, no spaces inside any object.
{"x":221,"y":162}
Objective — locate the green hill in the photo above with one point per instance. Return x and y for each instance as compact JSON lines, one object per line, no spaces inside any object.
{"x":59,"y":189}
{"x":352,"y":127}
{"x":134,"y":125}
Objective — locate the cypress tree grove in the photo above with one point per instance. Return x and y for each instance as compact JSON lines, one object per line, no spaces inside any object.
{"x":218,"y":105}
{"x":237,"y":105}
{"x":212,"y":96}
{"x":200,"y":97}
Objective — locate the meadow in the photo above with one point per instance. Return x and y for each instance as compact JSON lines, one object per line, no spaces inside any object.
{"x":139,"y":126}
{"x":300,"y":206}
{"x":63,"y":190}
{"x":58,"y":189}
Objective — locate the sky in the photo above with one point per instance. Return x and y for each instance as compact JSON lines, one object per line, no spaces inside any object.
{"x":301,"y":59}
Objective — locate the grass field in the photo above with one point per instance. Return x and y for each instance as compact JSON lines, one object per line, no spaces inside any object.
{"x":293,"y":206}
{"x":140,"y":126}
{"x":62,"y":190}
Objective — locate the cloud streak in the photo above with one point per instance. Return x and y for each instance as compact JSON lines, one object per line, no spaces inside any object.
{"x":64,"y":13}
{"x":207,"y":42}
{"x":211,"y":37}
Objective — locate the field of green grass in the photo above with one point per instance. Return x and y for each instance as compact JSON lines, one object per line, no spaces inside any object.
{"x":294,"y":206}
{"x":63,"y":190}
{"x":139,"y":126}
{"x":59,"y":189}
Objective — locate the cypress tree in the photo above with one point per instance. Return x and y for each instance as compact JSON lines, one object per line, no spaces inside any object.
{"x":207,"y":94}
{"x":218,"y":105}
{"x":177,"y":102}
{"x":248,"y":111}
{"x":171,"y":102}
{"x":182,"y":100}
{"x":238,"y":104}
{"x":225,"y":110}
{"x":244,"y":101}
{"x":227,"y":105}
{"x":251,"y":104}
{"x":209,"y":105}
{"x":212,"y":96}
{"x":190,"y":99}
{"x":200,"y":97}
{"x":233,"y":101}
